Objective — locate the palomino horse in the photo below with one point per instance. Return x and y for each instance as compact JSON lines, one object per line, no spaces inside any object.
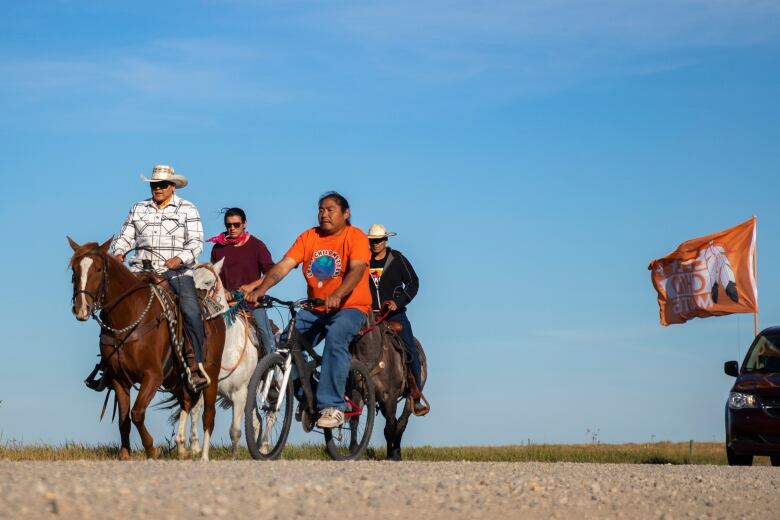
{"x":382,"y":351}
{"x":137,"y":322}
{"x":239,"y":359}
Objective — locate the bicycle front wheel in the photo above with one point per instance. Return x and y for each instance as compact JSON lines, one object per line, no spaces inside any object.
{"x":268,"y":410}
{"x":350,"y":440}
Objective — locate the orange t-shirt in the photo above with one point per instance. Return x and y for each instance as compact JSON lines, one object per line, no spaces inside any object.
{"x":326,"y":260}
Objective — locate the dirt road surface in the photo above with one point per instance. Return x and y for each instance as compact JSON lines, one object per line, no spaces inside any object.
{"x":426,"y":490}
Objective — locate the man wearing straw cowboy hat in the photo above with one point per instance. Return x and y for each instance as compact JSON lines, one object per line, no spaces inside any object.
{"x":393,"y":285}
{"x":166,"y":230}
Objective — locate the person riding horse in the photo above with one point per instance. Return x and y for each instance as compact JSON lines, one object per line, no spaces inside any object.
{"x":166,"y":231}
{"x":394,"y":283}
{"x":246,"y":261}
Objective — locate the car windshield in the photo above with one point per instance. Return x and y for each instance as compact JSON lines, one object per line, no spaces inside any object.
{"x":765,"y":355}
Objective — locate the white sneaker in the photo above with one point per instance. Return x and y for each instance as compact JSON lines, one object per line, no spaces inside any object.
{"x":330,"y":418}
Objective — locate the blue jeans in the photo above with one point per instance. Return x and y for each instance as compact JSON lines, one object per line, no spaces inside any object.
{"x":411,"y":349}
{"x":184,"y":287}
{"x":337,"y":329}
{"x":269,"y":341}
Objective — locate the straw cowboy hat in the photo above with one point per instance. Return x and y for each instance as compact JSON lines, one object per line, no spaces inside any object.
{"x":163,"y":172}
{"x":379,"y":231}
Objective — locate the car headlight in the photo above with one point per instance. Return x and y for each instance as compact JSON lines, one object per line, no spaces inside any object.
{"x":738,"y":401}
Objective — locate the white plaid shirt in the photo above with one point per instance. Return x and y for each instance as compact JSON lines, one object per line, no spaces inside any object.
{"x":175,"y":230}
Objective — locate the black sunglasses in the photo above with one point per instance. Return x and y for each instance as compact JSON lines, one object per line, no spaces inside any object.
{"x":233,"y":224}
{"x":161,"y":185}
{"x":376,"y":240}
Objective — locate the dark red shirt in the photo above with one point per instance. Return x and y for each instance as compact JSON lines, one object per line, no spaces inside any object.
{"x":243,"y":264}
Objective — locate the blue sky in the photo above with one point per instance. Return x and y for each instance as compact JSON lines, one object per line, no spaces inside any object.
{"x":533,"y":158}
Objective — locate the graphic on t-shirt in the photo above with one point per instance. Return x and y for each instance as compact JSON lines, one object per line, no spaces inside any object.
{"x":376,"y":274}
{"x":325,"y":264}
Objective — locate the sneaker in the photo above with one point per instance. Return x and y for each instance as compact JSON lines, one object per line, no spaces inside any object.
{"x":330,"y":418}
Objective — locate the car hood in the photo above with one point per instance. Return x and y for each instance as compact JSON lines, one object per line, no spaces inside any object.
{"x":760,"y":383}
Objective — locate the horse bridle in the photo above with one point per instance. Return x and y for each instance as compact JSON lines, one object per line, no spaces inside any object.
{"x":99,"y":296}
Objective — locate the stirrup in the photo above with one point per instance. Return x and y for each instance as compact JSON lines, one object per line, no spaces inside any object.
{"x":425,"y":410}
{"x":202,"y":371}
{"x":93,"y":382}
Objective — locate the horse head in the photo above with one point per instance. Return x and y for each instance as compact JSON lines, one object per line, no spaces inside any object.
{"x":209,"y":286}
{"x":89,"y":264}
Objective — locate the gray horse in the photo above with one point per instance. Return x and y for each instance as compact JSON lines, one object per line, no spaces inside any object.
{"x":382,"y":351}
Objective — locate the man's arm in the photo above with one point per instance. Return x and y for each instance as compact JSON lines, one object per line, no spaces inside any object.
{"x":353,"y":277}
{"x":125,"y":240}
{"x":274,"y":276}
{"x":411,"y":283}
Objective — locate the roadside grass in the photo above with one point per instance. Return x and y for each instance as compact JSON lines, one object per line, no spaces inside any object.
{"x":655,"y":453}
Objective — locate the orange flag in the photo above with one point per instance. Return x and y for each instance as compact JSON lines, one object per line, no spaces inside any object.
{"x":708,"y":276}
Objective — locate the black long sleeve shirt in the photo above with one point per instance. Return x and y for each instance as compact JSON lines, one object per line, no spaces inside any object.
{"x":396,"y":278}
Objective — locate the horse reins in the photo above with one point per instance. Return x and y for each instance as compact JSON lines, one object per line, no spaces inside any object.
{"x":365,"y":330}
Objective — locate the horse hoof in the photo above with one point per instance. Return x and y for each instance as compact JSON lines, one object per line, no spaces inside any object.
{"x":394,"y":457}
{"x":124,"y":454}
{"x":183,"y":454}
{"x":153,"y":453}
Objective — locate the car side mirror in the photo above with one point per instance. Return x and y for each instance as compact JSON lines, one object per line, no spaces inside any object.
{"x":731,"y":368}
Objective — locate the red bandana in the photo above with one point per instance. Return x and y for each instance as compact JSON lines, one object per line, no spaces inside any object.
{"x":225,"y":240}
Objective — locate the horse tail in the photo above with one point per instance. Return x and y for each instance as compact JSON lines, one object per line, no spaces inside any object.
{"x":224,"y":402}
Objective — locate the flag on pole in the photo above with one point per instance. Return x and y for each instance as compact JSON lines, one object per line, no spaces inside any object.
{"x":708,"y":276}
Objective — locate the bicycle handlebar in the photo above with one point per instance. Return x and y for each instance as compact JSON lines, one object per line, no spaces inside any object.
{"x":268,"y":301}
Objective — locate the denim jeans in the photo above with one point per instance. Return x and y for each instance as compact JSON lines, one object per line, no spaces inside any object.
{"x":337,"y":329}
{"x":411,"y":349}
{"x":269,"y":341}
{"x":184,"y":287}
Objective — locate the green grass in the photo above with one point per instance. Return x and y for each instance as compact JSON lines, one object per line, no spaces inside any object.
{"x":655,"y":453}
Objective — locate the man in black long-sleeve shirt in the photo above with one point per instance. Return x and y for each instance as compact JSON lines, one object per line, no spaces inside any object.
{"x":394,"y":284}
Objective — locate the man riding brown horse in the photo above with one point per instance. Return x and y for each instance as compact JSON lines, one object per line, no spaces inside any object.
{"x":166,"y":230}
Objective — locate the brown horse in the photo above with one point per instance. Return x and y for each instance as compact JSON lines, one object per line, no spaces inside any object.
{"x":382,"y":351}
{"x":136,"y":319}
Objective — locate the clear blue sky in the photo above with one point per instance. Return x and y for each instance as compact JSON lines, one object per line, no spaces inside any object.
{"x":533,"y":157}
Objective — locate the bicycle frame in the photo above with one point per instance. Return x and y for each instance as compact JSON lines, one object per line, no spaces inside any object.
{"x":292,"y":351}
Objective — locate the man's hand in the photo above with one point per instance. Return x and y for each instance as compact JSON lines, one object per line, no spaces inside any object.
{"x":121,"y":258}
{"x":173,"y":263}
{"x":254,"y":296}
{"x":246,"y":288}
{"x":332,"y":303}
{"x":390,"y":305}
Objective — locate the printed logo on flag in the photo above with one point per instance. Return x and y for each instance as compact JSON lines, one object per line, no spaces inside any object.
{"x":708,"y":276}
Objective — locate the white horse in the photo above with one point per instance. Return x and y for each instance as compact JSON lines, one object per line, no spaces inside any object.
{"x":239,"y":359}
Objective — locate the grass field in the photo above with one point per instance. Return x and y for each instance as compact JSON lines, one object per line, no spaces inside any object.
{"x":655,"y":453}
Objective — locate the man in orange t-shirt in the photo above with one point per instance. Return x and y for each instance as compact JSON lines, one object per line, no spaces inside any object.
{"x":335,"y":257}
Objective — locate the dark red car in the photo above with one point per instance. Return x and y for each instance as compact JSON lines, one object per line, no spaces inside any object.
{"x":753,"y":408}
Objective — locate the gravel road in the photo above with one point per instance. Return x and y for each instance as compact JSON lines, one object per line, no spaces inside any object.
{"x":285,"y":489}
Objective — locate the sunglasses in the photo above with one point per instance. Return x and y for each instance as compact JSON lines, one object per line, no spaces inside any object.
{"x":231,"y":225}
{"x":161,"y":185}
{"x":376,"y":240}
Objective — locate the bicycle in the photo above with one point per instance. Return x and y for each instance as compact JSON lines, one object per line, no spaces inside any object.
{"x":268,"y":411}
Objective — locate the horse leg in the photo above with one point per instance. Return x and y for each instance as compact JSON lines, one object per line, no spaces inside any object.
{"x":123,"y":403}
{"x":388,"y":407}
{"x":194,"y":418}
{"x":149,"y":387}
{"x":238,"y":401}
{"x":181,"y":447}
{"x":209,"y":411}
{"x":400,"y":427}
